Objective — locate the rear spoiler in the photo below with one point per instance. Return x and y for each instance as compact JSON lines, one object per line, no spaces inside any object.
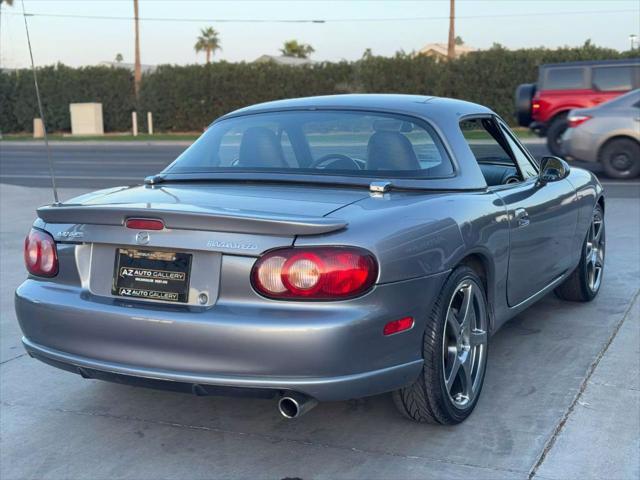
{"x":197,"y":219}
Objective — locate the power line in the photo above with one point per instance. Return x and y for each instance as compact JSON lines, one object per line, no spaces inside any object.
{"x":317,"y":21}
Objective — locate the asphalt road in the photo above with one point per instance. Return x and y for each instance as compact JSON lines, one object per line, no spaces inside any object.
{"x":561,"y":398}
{"x":95,"y":165}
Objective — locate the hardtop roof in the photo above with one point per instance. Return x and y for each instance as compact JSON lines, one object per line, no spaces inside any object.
{"x":419,"y":105}
{"x":595,"y":63}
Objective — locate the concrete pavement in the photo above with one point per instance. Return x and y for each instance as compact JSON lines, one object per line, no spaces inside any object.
{"x":560,"y":401}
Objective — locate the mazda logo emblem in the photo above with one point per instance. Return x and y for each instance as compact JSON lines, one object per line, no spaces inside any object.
{"x":142,"y":238}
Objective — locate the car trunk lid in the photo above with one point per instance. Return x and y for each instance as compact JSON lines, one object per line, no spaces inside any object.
{"x":280,"y":210}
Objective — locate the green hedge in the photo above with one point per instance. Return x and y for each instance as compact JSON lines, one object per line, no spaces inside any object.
{"x":187,"y":98}
{"x":60,"y":86}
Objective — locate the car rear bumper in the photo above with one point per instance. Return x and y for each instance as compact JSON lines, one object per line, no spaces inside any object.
{"x":579,"y":144}
{"x":324,"y":389}
{"x":328,"y":351}
{"x":540,"y":128}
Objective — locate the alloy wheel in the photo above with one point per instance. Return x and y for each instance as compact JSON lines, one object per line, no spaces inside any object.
{"x":622,"y":162}
{"x":594,"y":254}
{"x":464,"y":344}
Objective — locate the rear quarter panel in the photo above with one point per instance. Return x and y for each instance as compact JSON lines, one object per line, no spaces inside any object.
{"x":421,"y":234}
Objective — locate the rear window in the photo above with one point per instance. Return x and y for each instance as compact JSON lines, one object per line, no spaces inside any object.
{"x":612,"y":79}
{"x":319,"y":143}
{"x":568,"y":78}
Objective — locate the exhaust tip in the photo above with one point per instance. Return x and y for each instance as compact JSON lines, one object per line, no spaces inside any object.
{"x":294,"y":405}
{"x":288,"y":407}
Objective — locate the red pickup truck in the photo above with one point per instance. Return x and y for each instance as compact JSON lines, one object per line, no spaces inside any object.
{"x":544,"y":106}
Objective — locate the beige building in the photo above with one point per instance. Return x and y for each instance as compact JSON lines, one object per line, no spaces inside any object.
{"x":440,"y":50}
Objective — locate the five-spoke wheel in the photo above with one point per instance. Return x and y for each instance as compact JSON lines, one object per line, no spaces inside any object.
{"x":464,"y":343}
{"x":454,"y":352}
{"x":585,"y":281}
{"x":595,"y":252}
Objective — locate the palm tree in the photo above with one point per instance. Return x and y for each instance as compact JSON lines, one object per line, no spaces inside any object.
{"x":137,"y":69}
{"x":292,"y":48}
{"x":208,"y":42}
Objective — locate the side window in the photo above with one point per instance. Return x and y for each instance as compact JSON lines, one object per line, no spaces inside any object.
{"x":490,"y":149}
{"x":612,"y":79}
{"x":565,"y":78}
{"x":523,"y":161}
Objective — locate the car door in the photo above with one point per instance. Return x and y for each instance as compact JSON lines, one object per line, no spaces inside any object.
{"x":542,"y":221}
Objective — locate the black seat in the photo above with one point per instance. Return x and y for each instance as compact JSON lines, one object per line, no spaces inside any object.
{"x":391,"y":151}
{"x":260,"y":148}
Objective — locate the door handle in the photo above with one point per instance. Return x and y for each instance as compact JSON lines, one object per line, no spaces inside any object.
{"x":522,"y":217}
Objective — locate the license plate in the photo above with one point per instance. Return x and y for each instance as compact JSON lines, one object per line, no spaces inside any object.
{"x":152,"y":275}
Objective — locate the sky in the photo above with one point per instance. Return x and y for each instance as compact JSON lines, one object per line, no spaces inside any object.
{"x":351,"y":27}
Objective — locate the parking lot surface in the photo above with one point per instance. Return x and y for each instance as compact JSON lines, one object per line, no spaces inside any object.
{"x":561,"y":400}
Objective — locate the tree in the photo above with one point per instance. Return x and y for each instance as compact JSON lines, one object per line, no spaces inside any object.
{"x":451,"y":50}
{"x":458,"y":41}
{"x":137,"y":69}
{"x":208,"y":42}
{"x":292,"y":48}
{"x":8,"y":2}
{"x":119,"y":58}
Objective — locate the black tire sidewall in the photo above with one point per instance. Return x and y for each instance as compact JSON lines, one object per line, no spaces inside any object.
{"x":611,"y":149}
{"x":556,"y":129}
{"x":437,"y":385}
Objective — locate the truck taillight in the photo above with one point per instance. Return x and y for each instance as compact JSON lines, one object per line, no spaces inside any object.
{"x":314,"y":273}
{"x":575,"y":120}
{"x":40,"y":254}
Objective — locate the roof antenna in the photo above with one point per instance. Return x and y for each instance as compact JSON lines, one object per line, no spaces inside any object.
{"x":44,"y":124}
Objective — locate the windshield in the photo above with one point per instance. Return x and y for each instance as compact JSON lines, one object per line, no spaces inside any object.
{"x":319,"y":143}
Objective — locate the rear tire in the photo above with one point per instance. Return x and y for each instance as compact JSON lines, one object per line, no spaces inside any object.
{"x":584,"y":282}
{"x":556,"y":129}
{"x":621,"y":158}
{"x":454,"y":352}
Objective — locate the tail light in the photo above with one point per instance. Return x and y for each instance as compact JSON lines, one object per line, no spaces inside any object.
{"x":575,"y":120}
{"x":40,"y":254}
{"x":317,"y":273}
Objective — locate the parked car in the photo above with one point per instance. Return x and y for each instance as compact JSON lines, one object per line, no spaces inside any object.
{"x":609,"y":134}
{"x":561,"y":87}
{"x":316,"y":249}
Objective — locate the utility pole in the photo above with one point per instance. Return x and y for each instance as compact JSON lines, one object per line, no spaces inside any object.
{"x":451,"y":50}
{"x":137,"y":72}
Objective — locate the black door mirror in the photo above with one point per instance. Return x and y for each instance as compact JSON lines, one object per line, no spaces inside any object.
{"x":552,"y":169}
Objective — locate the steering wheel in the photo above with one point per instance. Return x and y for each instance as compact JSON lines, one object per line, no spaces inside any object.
{"x":333,"y":157}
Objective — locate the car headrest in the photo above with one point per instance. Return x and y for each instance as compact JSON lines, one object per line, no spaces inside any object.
{"x":391,"y":151}
{"x":260,"y":148}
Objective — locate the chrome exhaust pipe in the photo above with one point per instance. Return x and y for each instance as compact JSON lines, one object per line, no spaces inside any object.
{"x":294,"y":405}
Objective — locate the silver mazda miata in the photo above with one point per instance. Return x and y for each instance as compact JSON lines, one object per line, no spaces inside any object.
{"x":315,"y":249}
